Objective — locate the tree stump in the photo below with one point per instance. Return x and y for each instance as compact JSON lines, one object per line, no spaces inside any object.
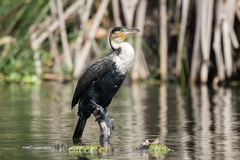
{"x":105,"y":129}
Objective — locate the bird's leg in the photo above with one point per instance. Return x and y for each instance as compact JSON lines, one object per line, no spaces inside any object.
{"x":99,"y":112}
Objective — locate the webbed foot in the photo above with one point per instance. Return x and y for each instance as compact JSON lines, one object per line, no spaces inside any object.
{"x":77,"y":142}
{"x":99,"y":112}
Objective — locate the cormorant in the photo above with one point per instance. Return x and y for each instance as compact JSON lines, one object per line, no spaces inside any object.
{"x":100,"y":82}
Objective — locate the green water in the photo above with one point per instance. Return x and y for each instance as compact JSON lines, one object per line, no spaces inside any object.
{"x":195,"y":123}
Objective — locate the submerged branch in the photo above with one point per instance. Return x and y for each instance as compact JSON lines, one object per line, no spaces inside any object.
{"x":154,"y":146}
{"x":105,"y":130}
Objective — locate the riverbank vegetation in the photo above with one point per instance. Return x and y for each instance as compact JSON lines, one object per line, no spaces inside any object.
{"x":182,"y":41}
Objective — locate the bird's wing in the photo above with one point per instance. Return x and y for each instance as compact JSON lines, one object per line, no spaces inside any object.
{"x":91,"y":76}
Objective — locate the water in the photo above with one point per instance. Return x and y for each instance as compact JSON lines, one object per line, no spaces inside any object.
{"x":195,"y":123}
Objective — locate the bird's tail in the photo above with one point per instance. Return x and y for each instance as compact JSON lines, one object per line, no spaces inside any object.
{"x":79,"y":130}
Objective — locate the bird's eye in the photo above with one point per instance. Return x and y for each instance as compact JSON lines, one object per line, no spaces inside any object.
{"x":122,"y":30}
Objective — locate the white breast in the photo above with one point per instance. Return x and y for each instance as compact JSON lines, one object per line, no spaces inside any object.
{"x":124,"y":60}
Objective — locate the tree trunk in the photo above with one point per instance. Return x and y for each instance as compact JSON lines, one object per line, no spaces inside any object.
{"x":53,"y":37}
{"x":116,"y":13}
{"x":140,"y":70}
{"x":206,"y":29}
{"x":129,"y":8}
{"x":195,"y":62}
{"x":63,"y":33}
{"x":79,"y":66}
{"x":35,"y":47}
{"x":163,"y":39}
{"x":185,"y":5}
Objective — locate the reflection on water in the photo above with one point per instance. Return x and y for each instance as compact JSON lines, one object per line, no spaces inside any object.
{"x":196,"y":123}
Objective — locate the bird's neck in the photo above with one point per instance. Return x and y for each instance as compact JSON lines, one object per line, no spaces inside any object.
{"x":124,"y":60}
{"x":115,"y":43}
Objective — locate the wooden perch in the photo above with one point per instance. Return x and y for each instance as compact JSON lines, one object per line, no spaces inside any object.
{"x":105,"y":131}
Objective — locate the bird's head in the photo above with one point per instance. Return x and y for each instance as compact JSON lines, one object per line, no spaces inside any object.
{"x":118,"y":34}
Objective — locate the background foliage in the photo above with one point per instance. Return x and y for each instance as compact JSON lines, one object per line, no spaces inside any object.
{"x":87,"y":40}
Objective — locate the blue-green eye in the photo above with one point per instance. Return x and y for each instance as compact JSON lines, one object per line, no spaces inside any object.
{"x":122,"y":30}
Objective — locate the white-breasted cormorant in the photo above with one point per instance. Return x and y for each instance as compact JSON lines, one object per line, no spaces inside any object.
{"x":100,"y":82}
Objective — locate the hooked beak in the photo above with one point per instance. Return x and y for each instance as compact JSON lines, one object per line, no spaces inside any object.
{"x":131,"y":31}
{"x":128,"y":32}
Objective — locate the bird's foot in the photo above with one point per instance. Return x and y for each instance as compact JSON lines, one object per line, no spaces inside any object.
{"x":77,"y":142}
{"x":99,"y":112}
